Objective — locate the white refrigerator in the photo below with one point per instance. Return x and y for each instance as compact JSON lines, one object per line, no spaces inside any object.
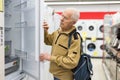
{"x":1,"y":40}
{"x":24,"y":40}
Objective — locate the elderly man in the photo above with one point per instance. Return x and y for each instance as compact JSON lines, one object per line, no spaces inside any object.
{"x":62,"y":58}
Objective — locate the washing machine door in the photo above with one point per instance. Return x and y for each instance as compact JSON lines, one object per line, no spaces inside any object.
{"x":101,"y":28}
{"x":80,"y":28}
{"x":91,"y":28}
{"x":91,"y":47}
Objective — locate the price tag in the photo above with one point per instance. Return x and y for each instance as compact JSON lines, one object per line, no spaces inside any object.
{"x":84,"y":34}
{"x":95,"y":53}
{"x":93,"y":39}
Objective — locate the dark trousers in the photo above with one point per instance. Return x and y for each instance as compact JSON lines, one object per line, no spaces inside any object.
{"x":56,"y":78}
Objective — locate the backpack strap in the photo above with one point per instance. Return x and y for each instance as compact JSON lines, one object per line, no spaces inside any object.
{"x":70,"y":37}
{"x":74,"y":33}
{"x":88,"y":65}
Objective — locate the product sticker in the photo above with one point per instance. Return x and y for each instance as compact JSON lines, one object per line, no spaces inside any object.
{"x":1,"y":5}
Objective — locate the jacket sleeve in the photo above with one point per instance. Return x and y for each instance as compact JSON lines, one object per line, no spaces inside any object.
{"x":48,"y":38}
{"x":71,"y":60}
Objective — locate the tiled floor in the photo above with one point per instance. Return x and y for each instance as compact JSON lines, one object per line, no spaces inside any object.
{"x":99,"y":73}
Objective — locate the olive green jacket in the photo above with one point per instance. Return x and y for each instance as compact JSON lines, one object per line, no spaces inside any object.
{"x":63,"y":59}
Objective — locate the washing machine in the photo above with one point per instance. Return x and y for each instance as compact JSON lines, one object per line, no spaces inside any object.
{"x":91,"y":28}
{"x":99,"y":48}
{"x":81,"y":27}
{"x":90,"y":47}
{"x":100,"y":28}
{"x":95,"y":49}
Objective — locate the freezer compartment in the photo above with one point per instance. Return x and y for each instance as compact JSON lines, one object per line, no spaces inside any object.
{"x":11,"y":64}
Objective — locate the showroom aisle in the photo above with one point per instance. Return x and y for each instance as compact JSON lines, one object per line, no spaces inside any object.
{"x":99,"y":73}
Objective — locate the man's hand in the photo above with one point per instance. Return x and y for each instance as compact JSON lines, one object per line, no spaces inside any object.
{"x":45,"y":26}
{"x":44,"y":56}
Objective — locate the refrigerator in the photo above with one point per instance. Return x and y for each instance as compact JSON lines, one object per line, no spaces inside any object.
{"x":24,"y":39}
{"x":1,"y":40}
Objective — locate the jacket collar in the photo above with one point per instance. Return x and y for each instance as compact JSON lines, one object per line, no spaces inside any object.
{"x":66,"y":32}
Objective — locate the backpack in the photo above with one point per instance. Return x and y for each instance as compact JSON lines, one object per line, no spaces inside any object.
{"x":83,"y":71}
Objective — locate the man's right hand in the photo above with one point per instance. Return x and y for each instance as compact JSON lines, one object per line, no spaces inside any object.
{"x":45,"y":26}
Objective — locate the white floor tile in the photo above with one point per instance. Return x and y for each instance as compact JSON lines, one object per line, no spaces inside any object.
{"x":98,"y":72}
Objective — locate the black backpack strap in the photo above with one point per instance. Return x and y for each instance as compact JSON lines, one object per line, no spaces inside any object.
{"x":70,"y":37}
{"x":88,"y":65}
{"x":81,"y":46}
{"x":74,"y":32}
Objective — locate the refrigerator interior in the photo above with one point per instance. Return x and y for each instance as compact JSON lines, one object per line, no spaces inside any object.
{"x":24,"y":38}
{"x":20,"y":39}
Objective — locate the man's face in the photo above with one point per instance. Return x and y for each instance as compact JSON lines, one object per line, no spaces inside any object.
{"x":66,"y":20}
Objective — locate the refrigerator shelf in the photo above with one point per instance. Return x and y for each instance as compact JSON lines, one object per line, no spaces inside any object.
{"x":7,"y":14}
{"x":21,"y":54}
{"x":7,"y":28}
{"x":24,"y":24}
{"x":21,"y":5}
{"x":24,"y":6}
{"x":7,"y":2}
{"x":24,"y":55}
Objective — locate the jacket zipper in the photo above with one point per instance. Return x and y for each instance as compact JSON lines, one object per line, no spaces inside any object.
{"x":59,"y":36}
{"x":63,"y":46}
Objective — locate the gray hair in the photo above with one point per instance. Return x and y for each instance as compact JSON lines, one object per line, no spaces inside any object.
{"x":75,"y":13}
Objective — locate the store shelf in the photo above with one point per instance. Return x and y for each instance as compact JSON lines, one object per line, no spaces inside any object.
{"x":114,"y":51}
{"x":112,"y":47}
{"x":7,"y":28}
